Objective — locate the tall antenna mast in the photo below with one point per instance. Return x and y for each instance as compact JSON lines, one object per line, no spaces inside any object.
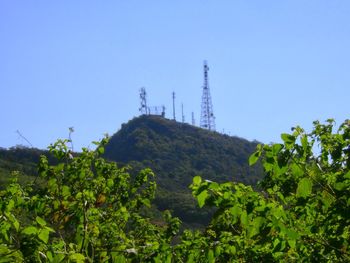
{"x":143,"y":100}
{"x":193,"y":120}
{"x":174,"y":117}
{"x":207,"y":115}
{"x":182,"y":112}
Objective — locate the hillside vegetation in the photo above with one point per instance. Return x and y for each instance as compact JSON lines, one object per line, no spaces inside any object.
{"x":22,"y":160}
{"x":177,"y":152}
{"x":90,"y":210}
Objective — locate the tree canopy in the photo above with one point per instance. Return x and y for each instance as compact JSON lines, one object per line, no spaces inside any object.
{"x":92,"y":211}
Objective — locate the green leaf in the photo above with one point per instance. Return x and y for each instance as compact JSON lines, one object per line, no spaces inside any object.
{"x":77,"y":257}
{"x":347,"y":175}
{"x":30,"y":230}
{"x":296,"y":170}
{"x":110,"y":183}
{"x":210,"y":256}
{"x":244,"y":218}
{"x":44,"y":235}
{"x":276,"y":148}
{"x":40,"y":221}
{"x":202,"y":197}
{"x":16,"y":224}
{"x":10,"y":205}
{"x":292,"y":234}
{"x":101,"y":150}
{"x":49,"y":256}
{"x":254,"y":157}
{"x":276,"y":242}
{"x":304,"y":187}
{"x":254,"y":228}
{"x":65,"y":191}
{"x":197,"y":180}
{"x":288,"y":139}
{"x":340,"y":186}
{"x":292,"y":243}
{"x":146,"y":202}
{"x":304,"y":142}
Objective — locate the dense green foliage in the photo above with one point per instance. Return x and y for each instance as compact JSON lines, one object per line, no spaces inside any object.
{"x":89,"y":210}
{"x":177,"y":152}
{"x":92,"y":211}
{"x":302,"y":212}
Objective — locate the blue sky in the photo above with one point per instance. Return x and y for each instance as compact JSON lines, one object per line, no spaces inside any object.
{"x":273,"y":65}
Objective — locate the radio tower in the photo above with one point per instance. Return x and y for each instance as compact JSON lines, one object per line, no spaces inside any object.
{"x":207,"y":115}
{"x":143,"y":101}
{"x":174,"y":116}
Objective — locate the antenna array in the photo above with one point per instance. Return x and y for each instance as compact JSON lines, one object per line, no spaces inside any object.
{"x":143,"y":97}
{"x":207,"y":120}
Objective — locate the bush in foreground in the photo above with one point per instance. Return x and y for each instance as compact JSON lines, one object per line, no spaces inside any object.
{"x":91,"y":211}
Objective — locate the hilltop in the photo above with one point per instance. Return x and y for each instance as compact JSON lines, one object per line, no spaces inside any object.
{"x":177,"y":152}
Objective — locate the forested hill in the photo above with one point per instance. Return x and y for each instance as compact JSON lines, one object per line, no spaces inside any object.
{"x":177,"y":152}
{"x":180,"y":151}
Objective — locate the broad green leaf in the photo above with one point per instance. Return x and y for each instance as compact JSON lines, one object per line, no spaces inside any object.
{"x":254,"y":157}
{"x":49,"y":256}
{"x":190,"y":258}
{"x":210,"y":256}
{"x":40,"y":221}
{"x":347,"y":175}
{"x":10,"y":205}
{"x":231,"y":249}
{"x":101,"y":150}
{"x":288,"y":140}
{"x":292,"y":234}
{"x":77,"y":257}
{"x":304,"y":142}
{"x":340,"y":186}
{"x":110,"y":183}
{"x":202,"y":197}
{"x":15,"y":224}
{"x":30,"y":230}
{"x":292,"y":243}
{"x":276,"y":242}
{"x":276,"y":148}
{"x":146,"y":202}
{"x":65,"y":191}
{"x":304,"y":187}
{"x":296,"y":170}
{"x":44,"y":235}
{"x":244,"y":218}
{"x":254,"y":228}
{"x":236,"y":210}
{"x":197,"y":180}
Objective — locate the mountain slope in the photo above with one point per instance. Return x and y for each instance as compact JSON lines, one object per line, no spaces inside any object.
{"x":22,"y":160}
{"x":177,"y":152}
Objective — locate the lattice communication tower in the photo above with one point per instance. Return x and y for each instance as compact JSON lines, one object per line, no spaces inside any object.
{"x":207,"y":120}
{"x":143,"y":100}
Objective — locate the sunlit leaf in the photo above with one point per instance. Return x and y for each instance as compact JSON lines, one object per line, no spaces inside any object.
{"x":30,"y":230}
{"x":304,"y":188}
{"x":202,"y":197}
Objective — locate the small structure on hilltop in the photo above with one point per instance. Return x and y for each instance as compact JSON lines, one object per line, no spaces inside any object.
{"x":207,"y":118}
{"x":149,"y":110}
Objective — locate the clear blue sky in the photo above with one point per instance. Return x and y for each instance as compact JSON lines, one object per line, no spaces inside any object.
{"x":273,"y":65}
